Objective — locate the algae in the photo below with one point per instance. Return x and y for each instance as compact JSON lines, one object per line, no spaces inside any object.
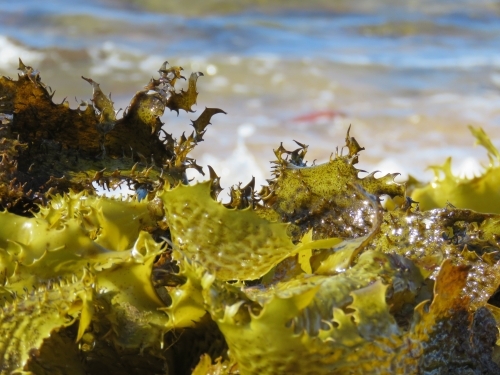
{"x":309,"y":275}
{"x":478,"y":193}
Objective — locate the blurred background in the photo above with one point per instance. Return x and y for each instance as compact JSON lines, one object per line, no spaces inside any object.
{"x":409,"y":76}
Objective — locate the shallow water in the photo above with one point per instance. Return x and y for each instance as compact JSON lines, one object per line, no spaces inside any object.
{"x":408,"y":78}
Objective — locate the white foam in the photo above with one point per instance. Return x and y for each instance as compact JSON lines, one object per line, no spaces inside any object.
{"x":263,"y":63}
{"x":234,"y":60}
{"x":390,"y":165}
{"x":150,"y":63}
{"x":11,"y":52}
{"x":277,"y":78}
{"x":218,"y":82}
{"x":238,"y":88}
{"x":254,"y":103}
{"x":468,"y":168}
{"x":108,"y":58}
{"x":240,"y":166}
{"x":246,"y":130}
{"x":445,"y":97}
{"x":122,"y":191}
{"x":211,"y":69}
{"x":495,"y":78}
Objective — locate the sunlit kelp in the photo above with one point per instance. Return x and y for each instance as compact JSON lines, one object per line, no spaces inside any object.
{"x":31,"y":318}
{"x":323,"y":197}
{"x":359,"y":336}
{"x":479,"y":193}
{"x":36,"y":255}
{"x":310,"y":275}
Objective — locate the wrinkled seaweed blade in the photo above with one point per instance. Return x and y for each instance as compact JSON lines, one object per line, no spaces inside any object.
{"x":26,"y":322}
{"x":234,"y":244}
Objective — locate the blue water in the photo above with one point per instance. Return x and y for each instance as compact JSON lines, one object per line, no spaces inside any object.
{"x":466,"y":35}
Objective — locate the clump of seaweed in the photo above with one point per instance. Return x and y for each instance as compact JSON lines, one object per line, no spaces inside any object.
{"x":309,"y":275}
{"x":50,"y":148}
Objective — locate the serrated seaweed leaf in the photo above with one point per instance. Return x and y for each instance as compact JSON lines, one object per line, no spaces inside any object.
{"x":28,"y":320}
{"x":185,"y":99}
{"x":203,"y":121}
{"x":104,"y":106}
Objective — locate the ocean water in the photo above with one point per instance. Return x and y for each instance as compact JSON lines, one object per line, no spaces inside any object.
{"x":408,"y":78}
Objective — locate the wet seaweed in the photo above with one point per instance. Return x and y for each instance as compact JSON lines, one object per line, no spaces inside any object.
{"x":309,"y":275}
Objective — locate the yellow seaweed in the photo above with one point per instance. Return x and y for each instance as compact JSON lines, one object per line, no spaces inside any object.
{"x":29,"y":319}
{"x":320,"y":197}
{"x":308,"y":276}
{"x":234,"y":245}
{"x":479,"y":193}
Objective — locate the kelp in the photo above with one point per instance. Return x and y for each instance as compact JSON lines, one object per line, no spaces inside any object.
{"x":309,"y":275}
{"x":357,"y":334}
{"x":323,"y":197}
{"x":479,"y":193}
{"x":50,"y":147}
